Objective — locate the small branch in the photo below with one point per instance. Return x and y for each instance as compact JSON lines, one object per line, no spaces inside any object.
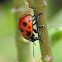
{"x":23,"y":48}
{"x":20,"y":10}
{"x":40,"y":6}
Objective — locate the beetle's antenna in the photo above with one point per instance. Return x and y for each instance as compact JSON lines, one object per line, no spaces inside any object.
{"x":33,"y":49}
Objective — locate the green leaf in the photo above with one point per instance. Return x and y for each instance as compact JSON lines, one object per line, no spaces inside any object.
{"x":56,"y":36}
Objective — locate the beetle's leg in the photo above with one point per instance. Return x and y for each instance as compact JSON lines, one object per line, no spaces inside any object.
{"x":36,"y":31}
{"x":38,"y":17}
{"x":33,"y":38}
{"x":40,"y":26}
{"x":33,"y":19}
{"x":36,"y":38}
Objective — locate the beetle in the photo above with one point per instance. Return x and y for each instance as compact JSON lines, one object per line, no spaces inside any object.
{"x":25,"y":25}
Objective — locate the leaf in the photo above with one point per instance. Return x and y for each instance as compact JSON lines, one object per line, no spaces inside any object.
{"x":56,"y":36}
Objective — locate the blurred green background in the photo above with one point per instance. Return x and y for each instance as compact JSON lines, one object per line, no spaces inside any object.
{"x":8,"y":51}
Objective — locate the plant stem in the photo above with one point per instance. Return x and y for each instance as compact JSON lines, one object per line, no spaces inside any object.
{"x":40,"y":6}
{"x":23,"y":47}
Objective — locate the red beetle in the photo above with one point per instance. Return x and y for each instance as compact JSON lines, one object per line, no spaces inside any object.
{"x":26,"y":27}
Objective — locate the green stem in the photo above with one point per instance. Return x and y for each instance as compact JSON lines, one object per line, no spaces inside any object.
{"x":38,"y":6}
{"x":23,"y":47}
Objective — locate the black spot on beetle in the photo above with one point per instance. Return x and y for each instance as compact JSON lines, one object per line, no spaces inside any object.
{"x":29,"y":27}
{"x":28,"y":19}
{"x":28,"y":33}
{"x":24,"y":23}
{"x":21,"y":29}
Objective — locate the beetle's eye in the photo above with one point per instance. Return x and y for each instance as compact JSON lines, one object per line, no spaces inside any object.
{"x":24,"y":24}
